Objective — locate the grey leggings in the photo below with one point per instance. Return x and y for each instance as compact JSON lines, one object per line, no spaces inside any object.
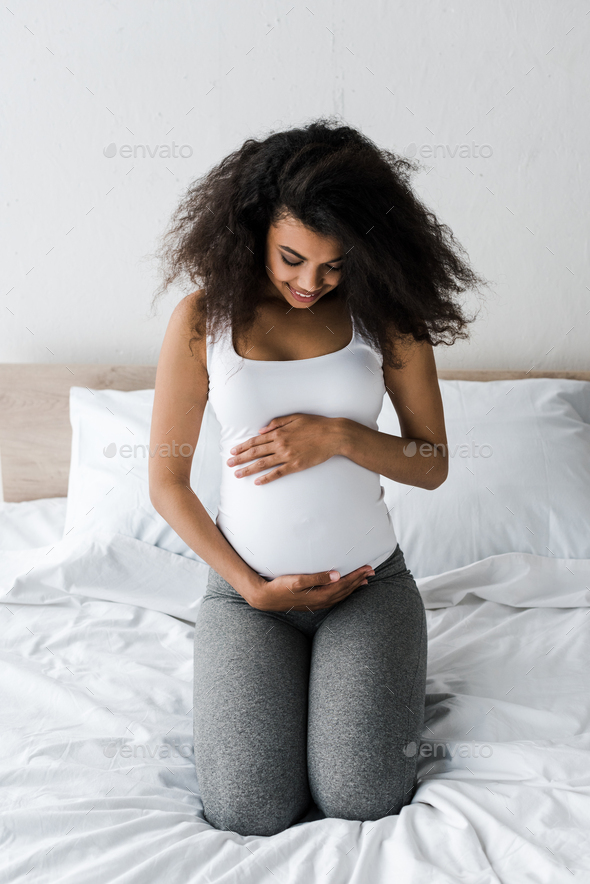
{"x":325,"y":706}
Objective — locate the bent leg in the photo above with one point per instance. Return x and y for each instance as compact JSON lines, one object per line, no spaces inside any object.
{"x":366,"y":699}
{"x":251,"y":675}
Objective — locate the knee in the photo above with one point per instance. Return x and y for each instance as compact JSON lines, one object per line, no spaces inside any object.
{"x":253,"y":808}
{"x":248,"y":821}
{"x":355,"y":792}
{"x":362,"y":805}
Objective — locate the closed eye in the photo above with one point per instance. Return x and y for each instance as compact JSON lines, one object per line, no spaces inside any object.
{"x":296,"y":263}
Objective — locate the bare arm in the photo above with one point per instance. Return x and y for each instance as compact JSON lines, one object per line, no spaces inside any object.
{"x":415,"y":394}
{"x":179,"y":403}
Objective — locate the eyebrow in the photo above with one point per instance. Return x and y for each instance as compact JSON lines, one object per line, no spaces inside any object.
{"x":297,"y":255}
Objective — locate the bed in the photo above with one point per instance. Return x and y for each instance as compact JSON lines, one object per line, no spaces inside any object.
{"x":99,"y":601}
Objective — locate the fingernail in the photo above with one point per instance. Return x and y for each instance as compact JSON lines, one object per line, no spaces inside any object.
{"x":370,"y":573}
{"x":334,"y":575}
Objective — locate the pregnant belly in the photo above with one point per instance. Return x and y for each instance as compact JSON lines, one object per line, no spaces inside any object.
{"x":331,"y":516}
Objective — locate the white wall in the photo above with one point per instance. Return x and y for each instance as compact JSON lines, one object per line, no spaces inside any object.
{"x":511,"y":78}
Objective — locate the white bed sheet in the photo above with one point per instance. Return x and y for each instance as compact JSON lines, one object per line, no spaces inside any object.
{"x":94,"y":660}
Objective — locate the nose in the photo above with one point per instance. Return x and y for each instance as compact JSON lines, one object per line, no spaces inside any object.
{"x":311,"y":284}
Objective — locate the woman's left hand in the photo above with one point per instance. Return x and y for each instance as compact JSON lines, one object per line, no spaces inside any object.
{"x":295,"y":441}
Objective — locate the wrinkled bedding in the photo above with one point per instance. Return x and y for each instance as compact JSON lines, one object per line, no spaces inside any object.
{"x":97,"y":756}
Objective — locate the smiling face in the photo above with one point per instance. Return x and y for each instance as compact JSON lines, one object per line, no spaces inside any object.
{"x":300,"y":262}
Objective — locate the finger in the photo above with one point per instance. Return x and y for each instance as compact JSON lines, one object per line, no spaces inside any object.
{"x":255,"y":467}
{"x":243,"y":446}
{"x":321,"y":581}
{"x":306,"y":581}
{"x":255,"y":440}
{"x":337,"y":591}
{"x":250,"y":455}
{"x":347,"y":590}
{"x":342,"y":582}
{"x":283,"y":470}
{"x":360,"y":573}
{"x":327,"y":603}
{"x":354,"y":575}
{"x":334,"y":585}
{"x":332,"y":599}
{"x":277,"y":422}
{"x":321,"y":596}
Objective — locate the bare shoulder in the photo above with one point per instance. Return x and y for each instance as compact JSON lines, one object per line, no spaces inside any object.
{"x":180,"y":396}
{"x":418,"y":369}
{"x":182,"y":325}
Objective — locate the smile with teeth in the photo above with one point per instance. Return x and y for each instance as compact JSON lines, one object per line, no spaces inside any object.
{"x":302,"y":294}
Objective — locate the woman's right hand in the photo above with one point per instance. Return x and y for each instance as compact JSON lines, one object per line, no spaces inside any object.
{"x":305,"y":592}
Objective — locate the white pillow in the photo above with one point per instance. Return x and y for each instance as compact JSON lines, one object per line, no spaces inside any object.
{"x":528,"y":491}
{"x":108,"y":482}
{"x":519,"y":476}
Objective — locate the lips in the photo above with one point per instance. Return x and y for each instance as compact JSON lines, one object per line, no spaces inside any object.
{"x":302,"y":297}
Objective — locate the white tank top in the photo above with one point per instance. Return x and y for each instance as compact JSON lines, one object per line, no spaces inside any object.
{"x":329,"y":516}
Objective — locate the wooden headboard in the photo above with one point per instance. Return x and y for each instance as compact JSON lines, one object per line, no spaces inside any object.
{"x":35,"y":431}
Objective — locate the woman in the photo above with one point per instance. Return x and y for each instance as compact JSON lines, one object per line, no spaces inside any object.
{"x":325,"y":283}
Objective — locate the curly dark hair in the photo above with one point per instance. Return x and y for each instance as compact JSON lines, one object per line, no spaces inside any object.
{"x":402,"y":267}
